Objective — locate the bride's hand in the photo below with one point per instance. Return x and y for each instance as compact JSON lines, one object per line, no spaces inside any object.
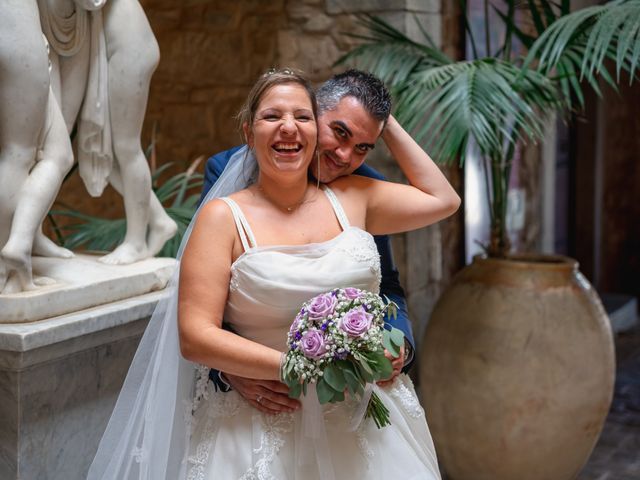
{"x":397,"y":364}
{"x":268,"y":396}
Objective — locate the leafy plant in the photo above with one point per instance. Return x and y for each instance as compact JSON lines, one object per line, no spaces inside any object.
{"x":501,"y":100}
{"x":99,"y":234}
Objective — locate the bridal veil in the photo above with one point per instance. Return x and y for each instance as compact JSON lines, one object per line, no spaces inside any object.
{"x":147,"y":436}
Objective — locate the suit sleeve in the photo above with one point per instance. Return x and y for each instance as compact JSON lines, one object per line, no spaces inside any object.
{"x":213,"y":169}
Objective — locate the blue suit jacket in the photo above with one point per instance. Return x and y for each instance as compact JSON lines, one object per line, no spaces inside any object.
{"x":390,"y":285}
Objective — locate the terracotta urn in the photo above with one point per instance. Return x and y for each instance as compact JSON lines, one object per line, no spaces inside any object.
{"x":517,"y":370}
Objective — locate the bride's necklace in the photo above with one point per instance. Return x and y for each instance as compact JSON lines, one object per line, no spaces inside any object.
{"x":287,"y":208}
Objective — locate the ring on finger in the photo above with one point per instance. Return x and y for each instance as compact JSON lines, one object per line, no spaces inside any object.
{"x":258,"y":398}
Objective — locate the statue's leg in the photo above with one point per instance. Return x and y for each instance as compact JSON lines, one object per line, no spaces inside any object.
{"x":24,"y":86}
{"x":161,"y":227}
{"x":74,"y":74}
{"x":43,"y":246}
{"x":36,"y":195}
{"x":69,"y":83}
{"x":133,"y":56}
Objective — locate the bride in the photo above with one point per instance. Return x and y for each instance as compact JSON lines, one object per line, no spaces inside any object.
{"x":268,"y":239}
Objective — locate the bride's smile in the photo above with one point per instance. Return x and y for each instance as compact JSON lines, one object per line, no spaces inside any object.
{"x":284,"y":132}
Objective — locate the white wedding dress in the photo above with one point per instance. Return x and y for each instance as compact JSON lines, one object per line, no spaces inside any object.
{"x":232,"y":440}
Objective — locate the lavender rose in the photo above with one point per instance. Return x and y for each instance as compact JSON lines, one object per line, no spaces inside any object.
{"x":356,"y":322}
{"x":312,"y":344}
{"x":296,"y":323}
{"x":352,"y":293}
{"x":321,"y":307}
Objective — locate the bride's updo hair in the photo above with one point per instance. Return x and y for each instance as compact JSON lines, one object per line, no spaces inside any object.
{"x":267,"y":80}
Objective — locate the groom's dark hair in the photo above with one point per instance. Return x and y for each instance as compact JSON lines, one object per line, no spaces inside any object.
{"x":363,"y":86}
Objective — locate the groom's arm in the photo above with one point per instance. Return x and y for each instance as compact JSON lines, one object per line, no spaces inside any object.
{"x":390,"y":283}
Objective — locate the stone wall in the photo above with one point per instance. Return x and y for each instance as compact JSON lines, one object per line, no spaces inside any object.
{"x":212,"y":52}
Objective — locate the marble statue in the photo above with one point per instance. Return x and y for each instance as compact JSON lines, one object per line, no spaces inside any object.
{"x":35,"y":150}
{"x":103,"y":62}
{"x":101,"y":58}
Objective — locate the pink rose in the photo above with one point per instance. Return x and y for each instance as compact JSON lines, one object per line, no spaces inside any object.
{"x":352,"y":293}
{"x":356,"y":322}
{"x":321,"y":307}
{"x":312,"y":344}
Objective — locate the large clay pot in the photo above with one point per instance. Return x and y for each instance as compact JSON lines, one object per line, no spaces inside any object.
{"x":517,"y":370}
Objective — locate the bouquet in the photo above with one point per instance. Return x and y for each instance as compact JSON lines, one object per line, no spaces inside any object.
{"x":337,"y":342}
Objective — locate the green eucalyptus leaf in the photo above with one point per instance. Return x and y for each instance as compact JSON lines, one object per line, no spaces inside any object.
{"x":365,"y":372}
{"x":389,"y":345}
{"x":334,"y":377}
{"x":385,"y":369}
{"x":295,"y":390}
{"x":337,"y":397}
{"x":353,"y":381}
{"x":325,"y":392}
{"x":397,"y":336}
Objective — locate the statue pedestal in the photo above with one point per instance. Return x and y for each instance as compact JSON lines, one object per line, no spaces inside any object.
{"x":83,"y":282}
{"x":59,"y":380}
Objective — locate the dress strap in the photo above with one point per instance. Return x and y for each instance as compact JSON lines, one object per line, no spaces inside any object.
{"x":244,"y":230}
{"x":337,"y":207}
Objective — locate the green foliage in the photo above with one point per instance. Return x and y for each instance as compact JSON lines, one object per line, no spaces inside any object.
{"x":393,"y":340}
{"x":500,"y":100}
{"x":102,"y":235}
{"x":335,"y":378}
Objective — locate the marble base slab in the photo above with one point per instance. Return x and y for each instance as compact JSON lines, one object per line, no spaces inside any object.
{"x":83,"y":282}
{"x":59,"y":380}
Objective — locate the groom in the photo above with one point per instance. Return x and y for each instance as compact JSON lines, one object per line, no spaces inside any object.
{"x":345,"y":103}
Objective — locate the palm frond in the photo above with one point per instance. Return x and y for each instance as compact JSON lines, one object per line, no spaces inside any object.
{"x":484,"y":100}
{"x":610,"y":31}
{"x":93,"y":233}
{"x":390,"y":53}
{"x":500,"y":101}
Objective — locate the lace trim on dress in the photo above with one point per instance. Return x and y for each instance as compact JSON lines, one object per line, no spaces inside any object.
{"x":233,"y":282}
{"x":365,"y":250}
{"x":223,"y":405}
{"x":363,"y":444}
{"x":271,"y":441}
{"x":406,"y":396}
{"x":201,"y":390}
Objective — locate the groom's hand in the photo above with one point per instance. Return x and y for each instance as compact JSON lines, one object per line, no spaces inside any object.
{"x":397,"y":364}
{"x":268,"y":396}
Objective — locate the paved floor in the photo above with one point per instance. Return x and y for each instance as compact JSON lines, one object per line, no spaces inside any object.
{"x":617,"y":453}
